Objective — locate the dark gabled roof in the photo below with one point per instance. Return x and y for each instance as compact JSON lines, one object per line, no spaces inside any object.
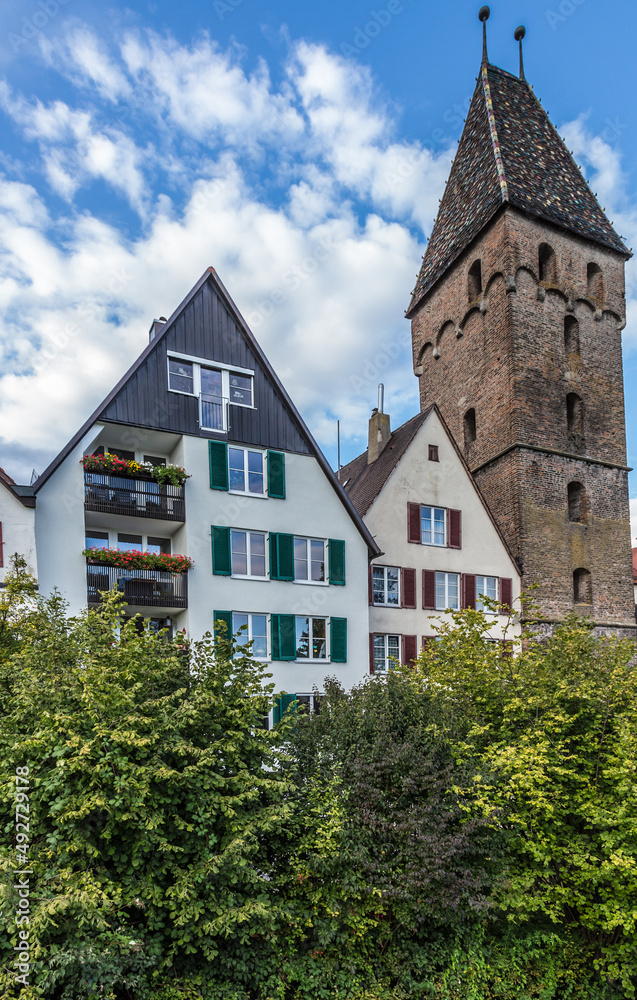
{"x":363,"y":482}
{"x":106,"y":412}
{"x":509,"y":153}
{"x":24,"y":494}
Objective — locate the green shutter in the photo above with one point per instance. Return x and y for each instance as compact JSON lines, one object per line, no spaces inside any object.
{"x":226,"y":618}
{"x":276,"y":711}
{"x":281,"y":706}
{"x":276,"y":475}
{"x":221,"y":562}
{"x":281,"y":557}
{"x":218,"y":458}
{"x":337,"y":562}
{"x":283,"y":637}
{"x":338,"y":640}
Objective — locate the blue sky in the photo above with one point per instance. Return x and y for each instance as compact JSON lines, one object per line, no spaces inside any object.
{"x":300,"y":149}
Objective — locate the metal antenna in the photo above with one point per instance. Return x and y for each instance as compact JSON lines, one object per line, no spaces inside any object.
{"x":520,"y":33}
{"x":484,"y":15}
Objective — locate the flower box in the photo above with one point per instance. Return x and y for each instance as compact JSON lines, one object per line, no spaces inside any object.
{"x":112,"y":465}
{"x":174,"y":564}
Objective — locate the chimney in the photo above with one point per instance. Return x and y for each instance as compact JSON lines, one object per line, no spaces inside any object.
{"x":156,"y":327}
{"x":379,"y":429}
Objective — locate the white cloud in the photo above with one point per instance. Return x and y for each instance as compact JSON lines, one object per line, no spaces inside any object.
{"x":82,"y":56}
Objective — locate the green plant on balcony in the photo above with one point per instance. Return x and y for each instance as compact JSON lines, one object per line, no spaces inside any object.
{"x":139,"y":560}
{"x":111,"y":464}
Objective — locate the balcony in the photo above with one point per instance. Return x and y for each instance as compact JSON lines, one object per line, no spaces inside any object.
{"x":109,"y":494}
{"x":148,"y":588}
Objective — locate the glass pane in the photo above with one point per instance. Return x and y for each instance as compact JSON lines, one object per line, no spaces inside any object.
{"x":240,"y":621}
{"x":426,"y":525}
{"x":379,"y":652}
{"x":453,"y":591}
{"x":180,"y":375}
{"x":300,"y":559}
{"x":255,"y":472}
{"x":97,"y":540}
{"x":235,"y":464}
{"x":154,"y":460}
{"x":319,"y":643}
{"x":393,"y":647}
{"x":441,"y":595}
{"x":302,"y":638}
{"x":241,"y":389}
{"x":239,"y":549}
{"x":259,"y":636}
{"x":210,"y":382}
{"x":129,"y":543}
{"x":439,"y":527}
{"x":378,"y":585}
{"x":392,"y":586}
{"x":318,"y":560}
{"x":158,"y":546}
{"x":257,"y":555}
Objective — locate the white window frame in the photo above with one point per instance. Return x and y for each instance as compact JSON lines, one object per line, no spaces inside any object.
{"x":438,"y":545}
{"x":308,"y":550}
{"x":448,"y":606}
{"x":226,"y":372}
{"x":388,"y":663}
{"x":310,"y":658}
{"x":257,"y":451}
{"x":385,"y":603}
{"x":481,"y":593}
{"x":250,"y":634}
{"x":248,"y":532}
{"x":113,"y":543}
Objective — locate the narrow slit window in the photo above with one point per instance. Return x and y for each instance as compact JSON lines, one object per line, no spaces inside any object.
{"x":576,"y":502}
{"x":547,"y":268}
{"x":571,"y":336}
{"x":575,"y":419}
{"x":474,"y":281}
{"x":582,"y":587}
{"x":595,"y":284}
{"x":470,"y":429}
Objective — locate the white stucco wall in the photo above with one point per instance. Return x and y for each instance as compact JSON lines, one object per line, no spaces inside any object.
{"x":440,"y":484}
{"x":18,"y":532}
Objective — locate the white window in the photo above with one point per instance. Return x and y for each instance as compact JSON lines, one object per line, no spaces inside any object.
{"x":309,"y":560}
{"x":216,"y":385}
{"x":447,"y":591}
{"x":143,"y":543}
{"x":486,"y":586}
{"x":254,"y":629}
{"x":248,"y":553}
{"x":311,"y":638}
{"x":386,"y":652}
{"x":385,"y":585}
{"x":96,"y":539}
{"x":247,"y":471}
{"x":433,"y":525}
{"x":308,"y":703}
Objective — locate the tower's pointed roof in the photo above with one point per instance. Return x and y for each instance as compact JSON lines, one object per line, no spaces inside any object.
{"x":509,"y":153}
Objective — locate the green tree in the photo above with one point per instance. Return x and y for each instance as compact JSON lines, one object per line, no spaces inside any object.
{"x":157,"y":802}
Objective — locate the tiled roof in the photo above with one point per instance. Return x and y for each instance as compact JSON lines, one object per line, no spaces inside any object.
{"x":363,"y":482}
{"x":6,"y":478}
{"x":509,"y":153}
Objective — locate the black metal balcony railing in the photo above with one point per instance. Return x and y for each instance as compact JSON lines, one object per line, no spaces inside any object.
{"x":137,"y":497}
{"x":152,"y":588}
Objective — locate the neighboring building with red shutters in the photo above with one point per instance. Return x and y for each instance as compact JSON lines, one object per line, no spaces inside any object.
{"x":441,"y":547}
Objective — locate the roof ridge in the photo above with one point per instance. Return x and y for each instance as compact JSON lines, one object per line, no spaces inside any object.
{"x":493,"y":130}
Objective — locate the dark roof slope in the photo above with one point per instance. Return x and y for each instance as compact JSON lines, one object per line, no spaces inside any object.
{"x":509,"y":153}
{"x":363,"y":482}
{"x":24,"y":494}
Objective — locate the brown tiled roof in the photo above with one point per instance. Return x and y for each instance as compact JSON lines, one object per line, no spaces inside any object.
{"x":6,"y":478}
{"x":363,"y":482}
{"x":509,"y":153}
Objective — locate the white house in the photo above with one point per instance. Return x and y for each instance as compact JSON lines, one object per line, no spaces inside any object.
{"x":17,"y":524}
{"x":441,"y":548}
{"x":276,"y":545}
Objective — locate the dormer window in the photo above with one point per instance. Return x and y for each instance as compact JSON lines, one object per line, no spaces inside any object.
{"x":474,"y":282}
{"x":547,"y":264}
{"x":216,"y":385}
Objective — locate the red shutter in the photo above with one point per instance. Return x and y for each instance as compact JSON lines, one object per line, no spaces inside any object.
{"x":370,"y":588}
{"x":414,"y":533}
{"x":428,"y":590}
{"x":506,"y":592}
{"x":454,"y":529}
{"x":427,"y":640}
{"x":371,"y":652}
{"x":1,"y":547}
{"x":408,"y":587}
{"x":468,"y":590}
{"x":410,"y":649}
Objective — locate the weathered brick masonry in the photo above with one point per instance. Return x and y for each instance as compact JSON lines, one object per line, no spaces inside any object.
{"x":530,"y":339}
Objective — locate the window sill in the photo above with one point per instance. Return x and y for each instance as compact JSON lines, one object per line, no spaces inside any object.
{"x":392,"y":606}
{"x":252,"y":496}
{"x":308,"y":660}
{"x":312,"y":583}
{"x":259,"y":579}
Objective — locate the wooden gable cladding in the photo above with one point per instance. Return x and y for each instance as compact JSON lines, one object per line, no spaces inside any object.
{"x":205,"y":328}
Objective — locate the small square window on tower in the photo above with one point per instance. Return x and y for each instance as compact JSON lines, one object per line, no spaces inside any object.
{"x":433,"y":453}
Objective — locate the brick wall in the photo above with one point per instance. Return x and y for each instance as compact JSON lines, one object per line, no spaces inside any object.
{"x":504,"y":354}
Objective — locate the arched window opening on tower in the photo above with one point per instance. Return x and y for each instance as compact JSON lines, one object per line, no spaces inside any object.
{"x":582,"y":587}
{"x":575,"y":420}
{"x":577,"y":502}
{"x":547,"y":267}
{"x":474,"y":286}
{"x":595,"y":283}
{"x":469,"y":427}
{"x":571,"y":335}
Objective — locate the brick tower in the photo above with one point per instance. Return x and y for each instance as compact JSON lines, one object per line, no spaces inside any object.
{"x":516,"y":330}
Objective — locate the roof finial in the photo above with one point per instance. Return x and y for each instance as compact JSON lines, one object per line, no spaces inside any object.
{"x":520,"y":33}
{"x":484,"y":15}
